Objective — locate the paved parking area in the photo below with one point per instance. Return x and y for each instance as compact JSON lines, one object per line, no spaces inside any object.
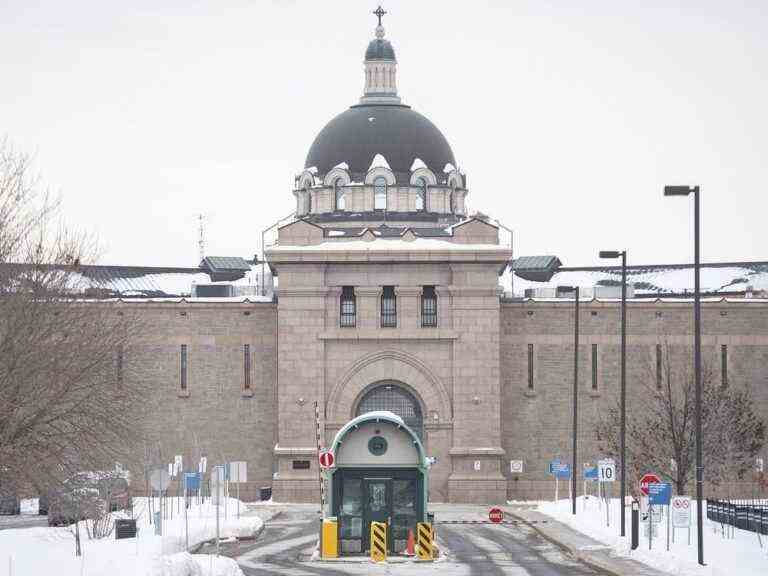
{"x":288,"y":540}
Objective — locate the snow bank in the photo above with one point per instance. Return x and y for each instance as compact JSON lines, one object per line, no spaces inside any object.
{"x":49,"y":550}
{"x":722,"y":555}
{"x":379,"y":162}
{"x":417,"y":164}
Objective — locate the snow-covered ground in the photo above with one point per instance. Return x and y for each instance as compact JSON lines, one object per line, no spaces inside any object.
{"x":742,"y":554}
{"x":48,"y":550}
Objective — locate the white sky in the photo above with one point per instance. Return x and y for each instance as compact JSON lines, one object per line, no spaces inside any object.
{"x":568,"y":117}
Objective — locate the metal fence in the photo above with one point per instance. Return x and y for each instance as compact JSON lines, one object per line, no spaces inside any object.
{"x":746,"y":515}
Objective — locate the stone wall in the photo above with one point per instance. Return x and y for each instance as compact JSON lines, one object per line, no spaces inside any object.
{"x":216,"y":416}
{"x":537,"y":422}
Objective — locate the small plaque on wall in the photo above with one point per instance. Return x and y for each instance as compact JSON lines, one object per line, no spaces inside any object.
{"x":301,"y":464}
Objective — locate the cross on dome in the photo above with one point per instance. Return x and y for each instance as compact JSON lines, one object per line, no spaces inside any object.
{"x":379,"y":12}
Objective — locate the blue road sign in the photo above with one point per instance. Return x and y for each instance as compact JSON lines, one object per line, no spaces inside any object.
{"x":553,"y":465}
{"x":659,"y":494}
{"x":591,"y":473}
{"x":561,"y":471}
{"x":192,"y":481}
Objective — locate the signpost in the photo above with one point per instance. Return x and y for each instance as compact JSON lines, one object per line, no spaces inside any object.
{"x":681,"y":515}
{"x":606,"y":472}
{"x":659,"y":494}
{"x":238,"y":473}
{"x":218,"y":476}
{"x":496,"y":515}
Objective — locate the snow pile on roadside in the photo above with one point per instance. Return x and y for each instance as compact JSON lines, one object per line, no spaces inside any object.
{"x":185,"y":564}
{"x":722,"y":555}
{"x":48,"y":550}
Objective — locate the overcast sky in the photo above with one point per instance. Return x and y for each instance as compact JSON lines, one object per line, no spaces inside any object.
{"x":567,"y":117}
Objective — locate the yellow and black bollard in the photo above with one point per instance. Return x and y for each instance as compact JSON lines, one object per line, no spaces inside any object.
{"x":425,"y":542}
{"x":379,"y":541}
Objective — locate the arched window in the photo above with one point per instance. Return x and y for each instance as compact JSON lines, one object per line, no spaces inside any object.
{"x":338,"y":192}
{"x":380,"y":193}
{"x":389,"y":396}
{"x":308,"y":200}
{"x":421,"y":194}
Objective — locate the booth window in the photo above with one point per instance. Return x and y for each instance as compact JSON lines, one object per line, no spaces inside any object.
{"x":388,"y":307}
{"x":348,"y":307}
{"x":428,"y":307}
{"x":380,"y":193}
{"x":352,"y":509}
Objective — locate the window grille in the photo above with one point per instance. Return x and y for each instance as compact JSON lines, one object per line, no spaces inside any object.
{"x":183,"y":367}
{"x":247,"y":366}
{"x":421,"y":195}
{"x":724,"y":364}
{"x":389,"y":396}
{"x":428,"y":307}
{"x":338,"y":191}
{"x":658,"y":367}
{"x":388,"y":307}
{"x":348,"y":307}
{"x":594,"y":366}
{"x":380,"y":193}
{"x":530,"y":366}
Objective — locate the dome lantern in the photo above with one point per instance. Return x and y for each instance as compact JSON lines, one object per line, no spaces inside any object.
{"x":380,"y":69}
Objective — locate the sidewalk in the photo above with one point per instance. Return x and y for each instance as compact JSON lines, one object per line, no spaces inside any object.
{"x":580,"y":546}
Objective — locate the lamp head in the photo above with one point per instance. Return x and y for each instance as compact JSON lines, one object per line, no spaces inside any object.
{"x":677,"y":190}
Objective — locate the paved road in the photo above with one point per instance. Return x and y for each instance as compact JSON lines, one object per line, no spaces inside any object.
{"x":288,"y":540}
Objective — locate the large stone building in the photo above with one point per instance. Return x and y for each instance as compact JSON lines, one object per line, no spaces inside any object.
{"x":392,"y":297}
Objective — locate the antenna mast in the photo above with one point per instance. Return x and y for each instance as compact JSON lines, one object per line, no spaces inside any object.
{"x":201,"y":237}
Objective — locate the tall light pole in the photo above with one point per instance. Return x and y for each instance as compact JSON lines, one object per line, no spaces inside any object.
{"x":685,"y":191}
{"x":623,"y":393}
{"x":575,"y":290}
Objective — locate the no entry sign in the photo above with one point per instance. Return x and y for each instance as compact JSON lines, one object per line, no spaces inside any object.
{"x":496,"y":515}
{"x":326,"y":459}
{"x":648,"y":479}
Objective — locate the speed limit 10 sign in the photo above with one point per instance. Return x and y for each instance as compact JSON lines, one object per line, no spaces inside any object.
{"x":606,"y":471}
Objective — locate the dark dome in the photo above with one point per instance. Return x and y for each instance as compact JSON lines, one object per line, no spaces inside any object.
{"x":394,"y":131}
{"x":380,"y":49}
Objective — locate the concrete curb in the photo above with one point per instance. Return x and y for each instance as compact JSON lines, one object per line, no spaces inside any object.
{"x":579,"y":555}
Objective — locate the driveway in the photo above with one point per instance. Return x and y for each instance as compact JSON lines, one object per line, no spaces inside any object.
{"x":288,"y":540}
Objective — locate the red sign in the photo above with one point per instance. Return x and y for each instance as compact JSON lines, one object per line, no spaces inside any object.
{"x":326,"y":459}
{"x":496,"y":515}
{"x":648,"y":479}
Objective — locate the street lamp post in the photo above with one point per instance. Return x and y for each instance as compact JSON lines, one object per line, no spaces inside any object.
{"x":623,"y":393}
{"x":686,"y":191}
{"x":575,"y":290}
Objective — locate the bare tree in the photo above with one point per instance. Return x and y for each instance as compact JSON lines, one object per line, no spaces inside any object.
{"x":661,"y":432}
{"x":67,"y":398}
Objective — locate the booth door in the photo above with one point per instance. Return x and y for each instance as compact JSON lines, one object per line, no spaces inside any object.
{"x":377,"y":499}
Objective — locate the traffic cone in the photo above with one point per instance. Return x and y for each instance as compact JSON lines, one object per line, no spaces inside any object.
{"x":410,"y":548}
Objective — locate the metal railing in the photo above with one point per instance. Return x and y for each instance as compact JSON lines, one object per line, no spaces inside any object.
{"x":745,"y":515}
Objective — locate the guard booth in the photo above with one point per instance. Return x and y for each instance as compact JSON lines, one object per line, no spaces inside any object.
{"x":380,"y":474}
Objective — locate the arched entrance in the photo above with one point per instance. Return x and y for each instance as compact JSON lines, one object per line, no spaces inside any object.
{"x":390,"y":395}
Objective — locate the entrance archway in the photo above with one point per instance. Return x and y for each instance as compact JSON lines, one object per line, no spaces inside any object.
{"x":390,"y":395}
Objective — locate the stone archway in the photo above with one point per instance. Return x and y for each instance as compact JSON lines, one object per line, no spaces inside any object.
{"x":393,"y":396}
{"x":387,"y":365}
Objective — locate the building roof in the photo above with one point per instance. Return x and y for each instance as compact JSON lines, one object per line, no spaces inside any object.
{"x":652,"y":280}
{"x":380,"y":49}
{"x":394,"y":131}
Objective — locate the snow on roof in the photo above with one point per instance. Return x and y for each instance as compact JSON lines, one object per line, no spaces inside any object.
{"x":417,"y":164}
{"x":394,"y":244}
{"x":342,"y":165}
{"x":379,"y":162}
{"x":652,"y":280}
{"x":312,"y":169}
{"x":449,"y":168}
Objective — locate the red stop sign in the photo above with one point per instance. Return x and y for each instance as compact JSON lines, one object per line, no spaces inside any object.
{"x":648,"y":479}
{"x":496,"y":515}
{"x":326,"y":459}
